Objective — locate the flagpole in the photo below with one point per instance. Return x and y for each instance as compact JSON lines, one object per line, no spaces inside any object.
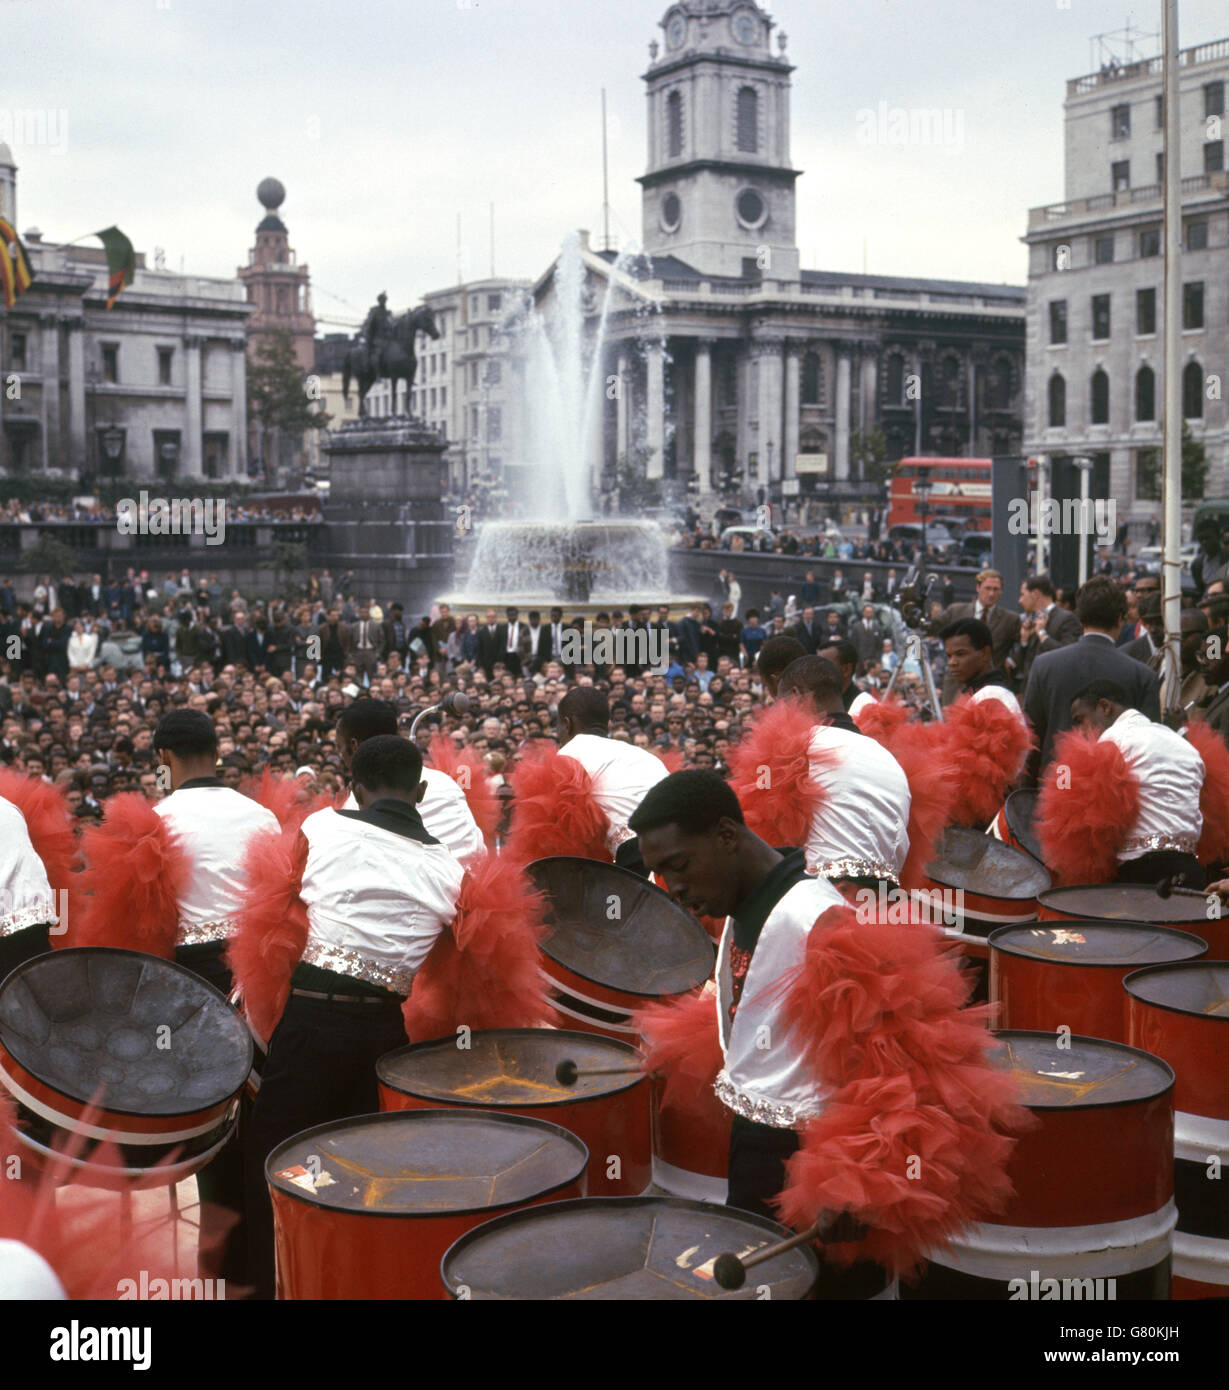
{"x":1171,"y":486}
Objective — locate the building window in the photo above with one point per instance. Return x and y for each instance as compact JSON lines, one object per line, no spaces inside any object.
{"x":1145,"y":312}
{"x":727,"y":380}
{"x":812,"y":378}
{"x":1192,"y":391}
{"x":443,"y":397}
{"x":110,"y":362}
{"x":215,"y":452}
{"x":493,"y":301}
{"x":431,"y":396}
{"x":894,"y":380}
{"x":1103,"y":250}
{"x":751,"y":211}
{"x":1158,"y":112}
{"x":748,"y":120}
{"x":473,"y":418}
{"x":671,"y":212}
{"x":1100,"y":317}
{"x":165,"y":357}
{"x":1160,"y":168}
{"x":494,"y":424}
{"x":1058,"y":320}
{"x":1213,"y":99}
{"x":1100,"y":395}
{"x":17,"y":351}
{"x":1120,"y":122}
{"x":1149,"y":242}
{"x":443,"y":362}
{"x":1058,"y":402}
{"x":998,"y":387}
{"x":1120,"y":175}
{"x":1192,"y":304}
{"x":494,"y":372}
{"x":1145,"y":395}
{"x":1213,"y":156}
{"x":1196,"y":236}
{"x":1147,"y":475}
{"x":674,"y":125}
{"x":473,"y":376}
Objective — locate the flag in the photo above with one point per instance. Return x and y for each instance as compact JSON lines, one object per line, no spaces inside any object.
{"x":15,"y":275}
{"x":121,"y":261}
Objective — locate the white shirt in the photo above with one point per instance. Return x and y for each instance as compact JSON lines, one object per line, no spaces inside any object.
{"x":621,"y":774}
{"x":861,"y":829}
{"x":26,"y":898}
{"x":446,"y":815}
{"x":376,"y":901}
{"x":513,"y":635}
{"x":214,"y":825}
{"x":1171,"y":775}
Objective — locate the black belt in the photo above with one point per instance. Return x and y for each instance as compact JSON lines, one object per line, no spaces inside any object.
{"x":345,"y":998}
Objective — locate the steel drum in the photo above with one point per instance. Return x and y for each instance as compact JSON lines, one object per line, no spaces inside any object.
{"x":616,"y":1248}
{"x":1069,"y":974}
{"x":1093,"y":1182}
{"x":1181,"y":1012}
{"x":1185,"y":909}
{"x":156,"y":1055}
{"x":512,"y":1071}
{"x":366,"y":1207}
{"x":614,"y":943}
{"x":990,"y":884}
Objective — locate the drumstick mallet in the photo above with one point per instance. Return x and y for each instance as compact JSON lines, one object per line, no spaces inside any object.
{"x":567,"y":1073}
{"x":730,"y":1271}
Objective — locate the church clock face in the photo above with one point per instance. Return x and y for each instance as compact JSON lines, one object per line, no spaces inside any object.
{"x":746,"y":27}
{"x":676,"y":31}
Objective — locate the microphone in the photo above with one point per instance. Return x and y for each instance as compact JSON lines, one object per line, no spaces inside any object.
{"x":458,"y":702}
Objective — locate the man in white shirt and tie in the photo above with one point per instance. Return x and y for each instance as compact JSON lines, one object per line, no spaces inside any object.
{"x":367,"y":649}
{"x":511,"y":654}
{"x":556,"y":634}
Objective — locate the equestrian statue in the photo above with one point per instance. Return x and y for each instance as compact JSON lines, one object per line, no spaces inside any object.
{"x":385,"y":349}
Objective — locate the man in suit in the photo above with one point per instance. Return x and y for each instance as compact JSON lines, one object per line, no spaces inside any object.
{"x":808,"y":595}
{"x":1004,"y":625}
{"x":489,"y":637}
{"x":1058,"y":676}
{"x":839,"y":592}
{"x":1044,"y":628}
{"x":689,"y":636}
{"x":1215,"y":708}
{"x":366,"y":643}
{"x":257,"y":645}
{"x":810,"y":631}
{"x":235,"y":641}
{"x":1150,"y":647}
{"x":509,"y":636}
{"x":867,"y":636}
{"x":396,"y":631}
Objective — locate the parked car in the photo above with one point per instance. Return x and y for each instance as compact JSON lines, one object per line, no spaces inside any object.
{"x":726,"y":516}
{"x":910,"y":533}
{"x":754,"y":537}
{"x":974,"y":551}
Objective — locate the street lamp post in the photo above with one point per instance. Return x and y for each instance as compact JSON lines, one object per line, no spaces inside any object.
{"x":921,"y":490}
{"x":1085,"y":465}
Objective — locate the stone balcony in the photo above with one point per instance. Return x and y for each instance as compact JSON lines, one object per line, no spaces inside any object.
{"x":1197,"y":188}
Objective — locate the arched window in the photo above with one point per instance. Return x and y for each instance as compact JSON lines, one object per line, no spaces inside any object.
{"x":1058,"y":402}
{"x":748,"y":120}
{"x":674,"y":124}
{"x":949,"y":383}
{"x":894,"y":380}
{"x":998,"y":388}
{"x":1192,"y":391}
{"x":1100,"y":396}
{"x":812,"y":379}
{"x":1145,"y":394}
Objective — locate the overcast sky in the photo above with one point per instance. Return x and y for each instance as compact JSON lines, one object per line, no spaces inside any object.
{"x":387,"y":118}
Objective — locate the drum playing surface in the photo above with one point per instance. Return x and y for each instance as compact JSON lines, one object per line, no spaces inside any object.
{"x":622,"y":1248}
{"x":133,"y":1033}
{"x":426,"y":1162}
{"x":1090,"y":1072}
{"x":1128,"y":902}
{"x":1021,"y":809}
{"x":612,"y":927}
{"x":979,"y":863}
{"x":1197,"y":987}
{"x":1097,"y":943}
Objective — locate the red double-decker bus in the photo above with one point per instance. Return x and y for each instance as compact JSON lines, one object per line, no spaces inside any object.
{"x":959,"y":488}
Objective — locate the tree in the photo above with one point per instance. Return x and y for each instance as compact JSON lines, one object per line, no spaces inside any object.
{"x":635,"y":488}
{"x":278,"y":399}
{"x":288,"y":559}
{"x":49,"y":556}
{"x":868,"y":451}
{"x":1194,"y":465}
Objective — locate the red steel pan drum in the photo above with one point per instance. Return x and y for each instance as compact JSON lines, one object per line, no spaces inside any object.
{"x":616,"y":1248}
{"x":1092,"y":1215}
{"x":614,"y":943}
{"x":366,"y":1207}
{"x":1181,"y":1012}
{"x":1184,"y":909}
{"x":512,"y":1071}
{"x":1069,"y":974}
{"x":691,"y":1151}
{"x":1014,"y":823}
{"x":153,"y":1053}
{"x":982,"y":883}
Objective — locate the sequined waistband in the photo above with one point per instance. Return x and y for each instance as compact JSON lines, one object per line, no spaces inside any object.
{"x":853,"y":868}
{"x":764,"y":1112}
{"x":1136,"y":845}
{"x":618,"y":835}
{"x":201,"y":933}
{"x":343,"y":960}
{"x":36,"y":915}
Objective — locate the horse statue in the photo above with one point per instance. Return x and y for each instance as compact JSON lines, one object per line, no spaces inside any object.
{"x":390,"y":355}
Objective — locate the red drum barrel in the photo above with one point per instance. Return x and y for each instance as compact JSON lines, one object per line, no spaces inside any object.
{"x":982,"y":883}
{"x":1014,"y":822}
{"x":1092,"y":1215}
{"x":1069,"y":974}
{"x":366,"y":1207}
{"x":511,"y":1071}
{"x":691,"y":1154}
{"x":154,"y":1054}
{"x":615,"y":943}
{"x":622,"y":1248}
{"x":1181,"y":1012}
{"x":1184,"y":909}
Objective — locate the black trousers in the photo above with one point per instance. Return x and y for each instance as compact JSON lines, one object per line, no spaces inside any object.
{"x":21,"y":946}
{"x":321,"y":1067}
{"x":758,"y":1154}
{"x":1162,"y":863}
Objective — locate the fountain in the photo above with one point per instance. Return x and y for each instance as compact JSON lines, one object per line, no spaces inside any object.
{"x":565,"y":554}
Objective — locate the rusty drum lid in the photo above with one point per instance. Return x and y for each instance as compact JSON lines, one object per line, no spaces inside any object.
{"x":133,"y":1033}
{"x":1089,"y":1072}
{"x":1129,"y":902}
{"x":1192,"y":987}
{"x":616,"y":929}
{"x":427,"y":1162}
{"x":1121,"y":944}
{"x":1021,"y":808}
{"x":613,"y":1248}
{"x":510,"y":1066}
{"x":978,"y":863}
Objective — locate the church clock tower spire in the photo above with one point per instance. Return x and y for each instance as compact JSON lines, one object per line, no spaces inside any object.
{"x":718,"y":192}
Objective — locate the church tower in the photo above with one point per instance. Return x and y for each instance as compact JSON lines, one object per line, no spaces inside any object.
{"x":719,"y":189}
